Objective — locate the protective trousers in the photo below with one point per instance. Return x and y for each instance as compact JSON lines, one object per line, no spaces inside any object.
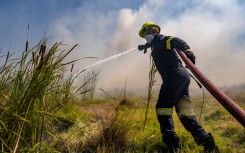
{"x":174,"y":92}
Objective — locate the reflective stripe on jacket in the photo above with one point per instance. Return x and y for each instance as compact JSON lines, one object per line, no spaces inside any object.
{"x":164,"y":57}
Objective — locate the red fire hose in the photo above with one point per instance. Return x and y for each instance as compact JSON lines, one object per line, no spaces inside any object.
{"x":237,"y":112}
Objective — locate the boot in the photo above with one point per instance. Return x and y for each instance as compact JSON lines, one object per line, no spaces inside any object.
{"x":173,"y":143}
{"x":210,"y":145}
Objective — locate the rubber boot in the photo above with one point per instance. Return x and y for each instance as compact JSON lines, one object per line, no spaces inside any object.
{"x":173,"y":143}
{"x":210,"y":145}
{"x":169,"y":137}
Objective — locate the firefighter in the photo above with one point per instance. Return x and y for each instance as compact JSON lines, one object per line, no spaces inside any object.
{"x":174,"y":91}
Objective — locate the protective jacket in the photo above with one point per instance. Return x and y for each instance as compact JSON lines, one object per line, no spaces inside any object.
{"x":164,"y":57}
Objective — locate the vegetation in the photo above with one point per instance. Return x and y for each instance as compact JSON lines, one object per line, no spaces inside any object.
{"x":118,"y":127}
{"x":41,"y":111}
{"x":32,"y":89}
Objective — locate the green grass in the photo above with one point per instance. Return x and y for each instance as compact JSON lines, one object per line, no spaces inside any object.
{"x":228,"y":133}
{"x":40,"y":111}
{"x":32,"y":89}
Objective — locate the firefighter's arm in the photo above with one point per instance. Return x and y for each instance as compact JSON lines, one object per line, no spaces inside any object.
{"x":175,"y":42}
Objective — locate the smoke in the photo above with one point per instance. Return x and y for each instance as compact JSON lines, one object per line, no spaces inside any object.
{"x":214,"y":30}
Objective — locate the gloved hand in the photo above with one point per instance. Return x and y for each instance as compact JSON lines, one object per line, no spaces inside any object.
{"x":191,"y":56}
{"x":144,"y":47}
{"x":141,"y":47}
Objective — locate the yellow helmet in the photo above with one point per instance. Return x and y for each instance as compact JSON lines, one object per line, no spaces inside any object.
{"x":147,"y":24}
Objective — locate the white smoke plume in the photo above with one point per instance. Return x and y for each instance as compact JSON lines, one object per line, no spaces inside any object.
{"x":214,"y":30}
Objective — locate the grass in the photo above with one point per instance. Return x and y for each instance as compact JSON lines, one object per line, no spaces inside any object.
{"x":40,"y":111}
{"x":121,"y":129}
{"x":33,"y":88}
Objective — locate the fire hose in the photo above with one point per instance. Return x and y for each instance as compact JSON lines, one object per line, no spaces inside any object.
{"x":235,"y":110}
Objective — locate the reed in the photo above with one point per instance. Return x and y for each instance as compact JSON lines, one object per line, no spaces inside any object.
{"x":32,"y":89}
{"x":152,"y":81}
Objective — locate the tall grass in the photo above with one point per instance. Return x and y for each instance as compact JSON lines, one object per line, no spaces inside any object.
{"x":32,"y":89}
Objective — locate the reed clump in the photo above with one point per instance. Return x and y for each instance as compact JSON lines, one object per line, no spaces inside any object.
{"x":32,"y":89}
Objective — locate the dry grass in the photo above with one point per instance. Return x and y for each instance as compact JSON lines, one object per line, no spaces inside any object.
{"x":112,"y":133}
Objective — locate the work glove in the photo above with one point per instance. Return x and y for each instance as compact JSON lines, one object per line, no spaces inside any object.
{"x":191,"y":56}
{"x":144,"y":47}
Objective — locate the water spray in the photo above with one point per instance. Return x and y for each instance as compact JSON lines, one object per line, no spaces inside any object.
{"x":109,"y":58}
{"x":104,"y":60}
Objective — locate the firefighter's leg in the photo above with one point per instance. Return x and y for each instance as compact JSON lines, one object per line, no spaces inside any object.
{"x":172,"y":88}
{"x":188,"y":119}
{"x":169,"y":137}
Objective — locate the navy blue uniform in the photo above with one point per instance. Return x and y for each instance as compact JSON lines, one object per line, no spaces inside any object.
{"x":175,"y":77}
{"x":174,"y":90}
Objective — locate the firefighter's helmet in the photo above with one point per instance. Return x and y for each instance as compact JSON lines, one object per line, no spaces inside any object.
{"x":148,"y":25}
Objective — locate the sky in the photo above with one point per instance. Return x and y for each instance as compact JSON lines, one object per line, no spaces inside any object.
{"x":213,"y":29}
